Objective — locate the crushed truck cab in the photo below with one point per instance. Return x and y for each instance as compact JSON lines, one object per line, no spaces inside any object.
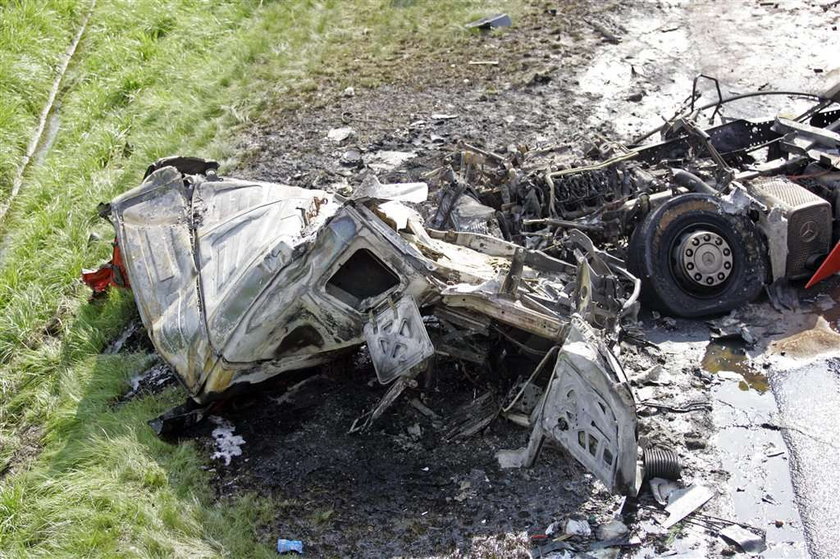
{"x":239,"y":281}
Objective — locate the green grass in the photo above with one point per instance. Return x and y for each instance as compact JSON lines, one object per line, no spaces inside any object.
{"x":151,"y":78}
{"x":33,"y":38}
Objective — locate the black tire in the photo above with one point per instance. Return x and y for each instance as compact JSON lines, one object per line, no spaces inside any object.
{"x":665,"y":287}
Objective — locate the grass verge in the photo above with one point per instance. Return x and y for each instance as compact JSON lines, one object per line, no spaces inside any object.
{"x":83,"y":477}
{"x":33,"y":38}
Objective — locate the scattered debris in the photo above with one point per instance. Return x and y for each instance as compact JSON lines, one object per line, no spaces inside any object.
{"x":598,"y":439}
{"x":340,"y":135}
{"x":772,"y":451}
{"x":782,"y":295}
{"x":293,"y":391}
{"x":604,"y":31}
{"x":110,"y":274}
{"x":749,"y":542}
{"x":422,"y":408}
{"x":414,"y":192}
{"x":490,"y":22}
{"x":662,"y":489}
{"x":466,"y":491}
{"x":415,"y":430}
{"x":351,"y":158}
{"x":389,"y":160}
{"x":333,"y":275}
{"x":151,"y":381}
{"x":178,"y":418}
{"x":612,"y":530}
{"x":117,"y":345}
{"x":551,"y":551}
{"x":540,"y":78}
{"x":289,"y":546}
{"x":635,"y":97}
{"x":661,"y":462}
{"x":729,"y":328}
{"x":551,"y":530}
{"x":682,"y":502}
{"x":577,"y":528}
{"x":472,"y":417}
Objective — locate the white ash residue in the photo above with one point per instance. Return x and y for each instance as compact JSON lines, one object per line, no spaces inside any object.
{"x":150,"y":381}
{"x":154,"y":376}
{"x":228,"y":445}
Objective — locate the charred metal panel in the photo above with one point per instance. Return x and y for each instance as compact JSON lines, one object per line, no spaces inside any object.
{"x":301,"y":294}
{"x":505,"y":310}
{"x":154,"y":233}
{"x":238,"y":281}
{"x":589,"y":409}
{"x":731,"y":137}
{"x":246,"y":233}
{"x":397,"y":339}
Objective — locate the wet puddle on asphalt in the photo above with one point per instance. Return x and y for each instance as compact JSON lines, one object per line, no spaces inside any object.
{"x":729,"y":356}
{"x":759,"y":484}
{"x":757,"y":458}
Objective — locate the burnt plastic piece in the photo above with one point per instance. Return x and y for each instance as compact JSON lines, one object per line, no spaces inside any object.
{"x":110,"y":274}
{"x":185,"y":165}
{"x":176,"y":419}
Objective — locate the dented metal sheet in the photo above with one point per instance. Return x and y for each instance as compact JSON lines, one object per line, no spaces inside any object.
{"x":238,"y":281}
{"x":397,"y":339}
{"x":588,"y":409}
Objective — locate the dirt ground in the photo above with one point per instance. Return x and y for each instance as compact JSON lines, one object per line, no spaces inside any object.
{"x":527,"y":98}
{"x":400,"y":490}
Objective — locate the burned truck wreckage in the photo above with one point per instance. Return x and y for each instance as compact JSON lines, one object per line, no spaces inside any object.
{"x":238,"y":281}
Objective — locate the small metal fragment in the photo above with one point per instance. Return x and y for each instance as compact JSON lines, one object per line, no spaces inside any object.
{"x":749,"y":542}
{"x":490,"y":22}
{"x":683,"y":502}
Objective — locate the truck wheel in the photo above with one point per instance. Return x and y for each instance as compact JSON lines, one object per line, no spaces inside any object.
{"x":694,"y":259}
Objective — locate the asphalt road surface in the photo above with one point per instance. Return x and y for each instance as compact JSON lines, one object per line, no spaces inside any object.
{"x":809,"y":408}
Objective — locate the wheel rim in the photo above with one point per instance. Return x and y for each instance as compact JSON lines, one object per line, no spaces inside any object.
{"x":704,"y":259}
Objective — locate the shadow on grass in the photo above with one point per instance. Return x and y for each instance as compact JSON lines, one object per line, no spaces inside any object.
{"x":126,"y":491}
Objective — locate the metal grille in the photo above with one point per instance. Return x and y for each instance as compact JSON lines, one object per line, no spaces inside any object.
{"x":785,"y":193}
{"x":809,"y":235}
{"x":809,"y":221}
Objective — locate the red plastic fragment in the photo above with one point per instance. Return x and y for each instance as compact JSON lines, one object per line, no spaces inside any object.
{"x":829,"y":267}
{"x":111,"y":273}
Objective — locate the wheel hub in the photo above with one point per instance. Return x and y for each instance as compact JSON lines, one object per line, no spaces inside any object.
{"x":705,"y":258}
